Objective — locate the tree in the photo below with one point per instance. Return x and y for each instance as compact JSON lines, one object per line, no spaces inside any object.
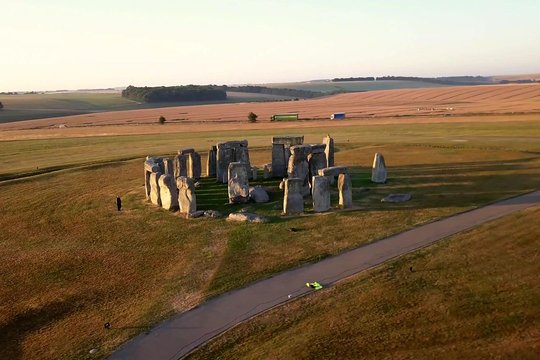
{"x":162,"y":120}
{"x":252,"y":117}
{"x":1,"y":105}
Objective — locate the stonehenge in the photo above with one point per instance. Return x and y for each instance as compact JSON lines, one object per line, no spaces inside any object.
{"x":378,"y":170}
{"x":306,"y":169}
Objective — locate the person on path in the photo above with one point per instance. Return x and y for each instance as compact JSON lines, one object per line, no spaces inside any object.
{"x":118,"y":203}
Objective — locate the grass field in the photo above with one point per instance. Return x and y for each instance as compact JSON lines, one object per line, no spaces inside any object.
{"x":473,"y":296}
{"x":72,"y":262}
{"x":50,"y":105}
{"x":353,"y":86}
{"x":441,"y":104}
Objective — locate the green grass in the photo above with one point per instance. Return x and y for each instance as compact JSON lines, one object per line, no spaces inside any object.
{"x":71,"y":262}
{"x":475,"y":295}
{"x":26,"y":157}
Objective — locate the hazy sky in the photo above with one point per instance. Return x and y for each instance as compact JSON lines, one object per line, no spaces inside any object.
{"x":70,"y":44}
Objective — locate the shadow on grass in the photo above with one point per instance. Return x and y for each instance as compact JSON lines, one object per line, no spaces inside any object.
{"x":456,"y":186}
{"x":15,"y":331}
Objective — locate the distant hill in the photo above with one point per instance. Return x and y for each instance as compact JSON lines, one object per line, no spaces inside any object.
{"x":453,"y":80}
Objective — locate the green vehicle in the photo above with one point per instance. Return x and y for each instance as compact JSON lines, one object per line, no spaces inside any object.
{"x":314,"y":285}
{"x":284,"y":117}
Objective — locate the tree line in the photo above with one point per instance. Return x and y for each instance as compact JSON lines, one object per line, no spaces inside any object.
{"x":205,"y":92}
{"x":296,"y":93}
{"x":174,"y":93}
{"x":446,"y":80}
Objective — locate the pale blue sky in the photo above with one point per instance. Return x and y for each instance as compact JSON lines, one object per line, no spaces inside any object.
{"x":69,"y":44}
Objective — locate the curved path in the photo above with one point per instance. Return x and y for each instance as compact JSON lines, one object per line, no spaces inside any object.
{"x":182,"y":333}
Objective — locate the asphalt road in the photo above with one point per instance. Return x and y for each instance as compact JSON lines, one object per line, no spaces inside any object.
{"x":181,"y":334}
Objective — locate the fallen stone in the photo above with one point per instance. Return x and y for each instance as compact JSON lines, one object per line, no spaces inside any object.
{"x":196,"y":214}
{"x":397,"y":198}
{"x":258,"y":194}
{"x":214,"y":214}
{"x":247,"y":217}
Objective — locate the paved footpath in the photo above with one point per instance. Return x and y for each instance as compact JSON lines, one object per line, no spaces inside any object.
{"x":179,"y":335}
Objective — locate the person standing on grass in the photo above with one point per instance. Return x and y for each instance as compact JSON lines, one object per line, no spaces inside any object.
{"x":118,"y":203}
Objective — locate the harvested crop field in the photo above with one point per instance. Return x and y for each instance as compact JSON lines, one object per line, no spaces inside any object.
{"x":418,"y":103}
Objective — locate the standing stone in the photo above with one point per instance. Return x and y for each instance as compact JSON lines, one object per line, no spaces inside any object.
{"x":186,"y":195}
{"x":281,"y":153}
{"x":378,"y":171}
{"x":238,"y":184}
{"x":168,"y":192}
{"x":150,"y":166}
{"x":279,"y":166}
{"x":254,"y":173}
{"x":267,"y":171}
{"x":241,"y":152}
{"x":155,"y":196}
{"x":316,"y":160}
{"x":180,"y":165}
{"x":293,"y":201}
{"x":225,"y":155}
{"x":168,"y":166}
{"x":211,"y":162}
{"x":329,"y":150}
{"x":321,"y":193}
{"x":194,"y":165}
{"x":298,"y":166}
{"x":228,"y":152}
{"x":345,"y":191}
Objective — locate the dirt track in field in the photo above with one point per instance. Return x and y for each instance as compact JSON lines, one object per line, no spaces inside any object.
{"x":386,"y":106}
